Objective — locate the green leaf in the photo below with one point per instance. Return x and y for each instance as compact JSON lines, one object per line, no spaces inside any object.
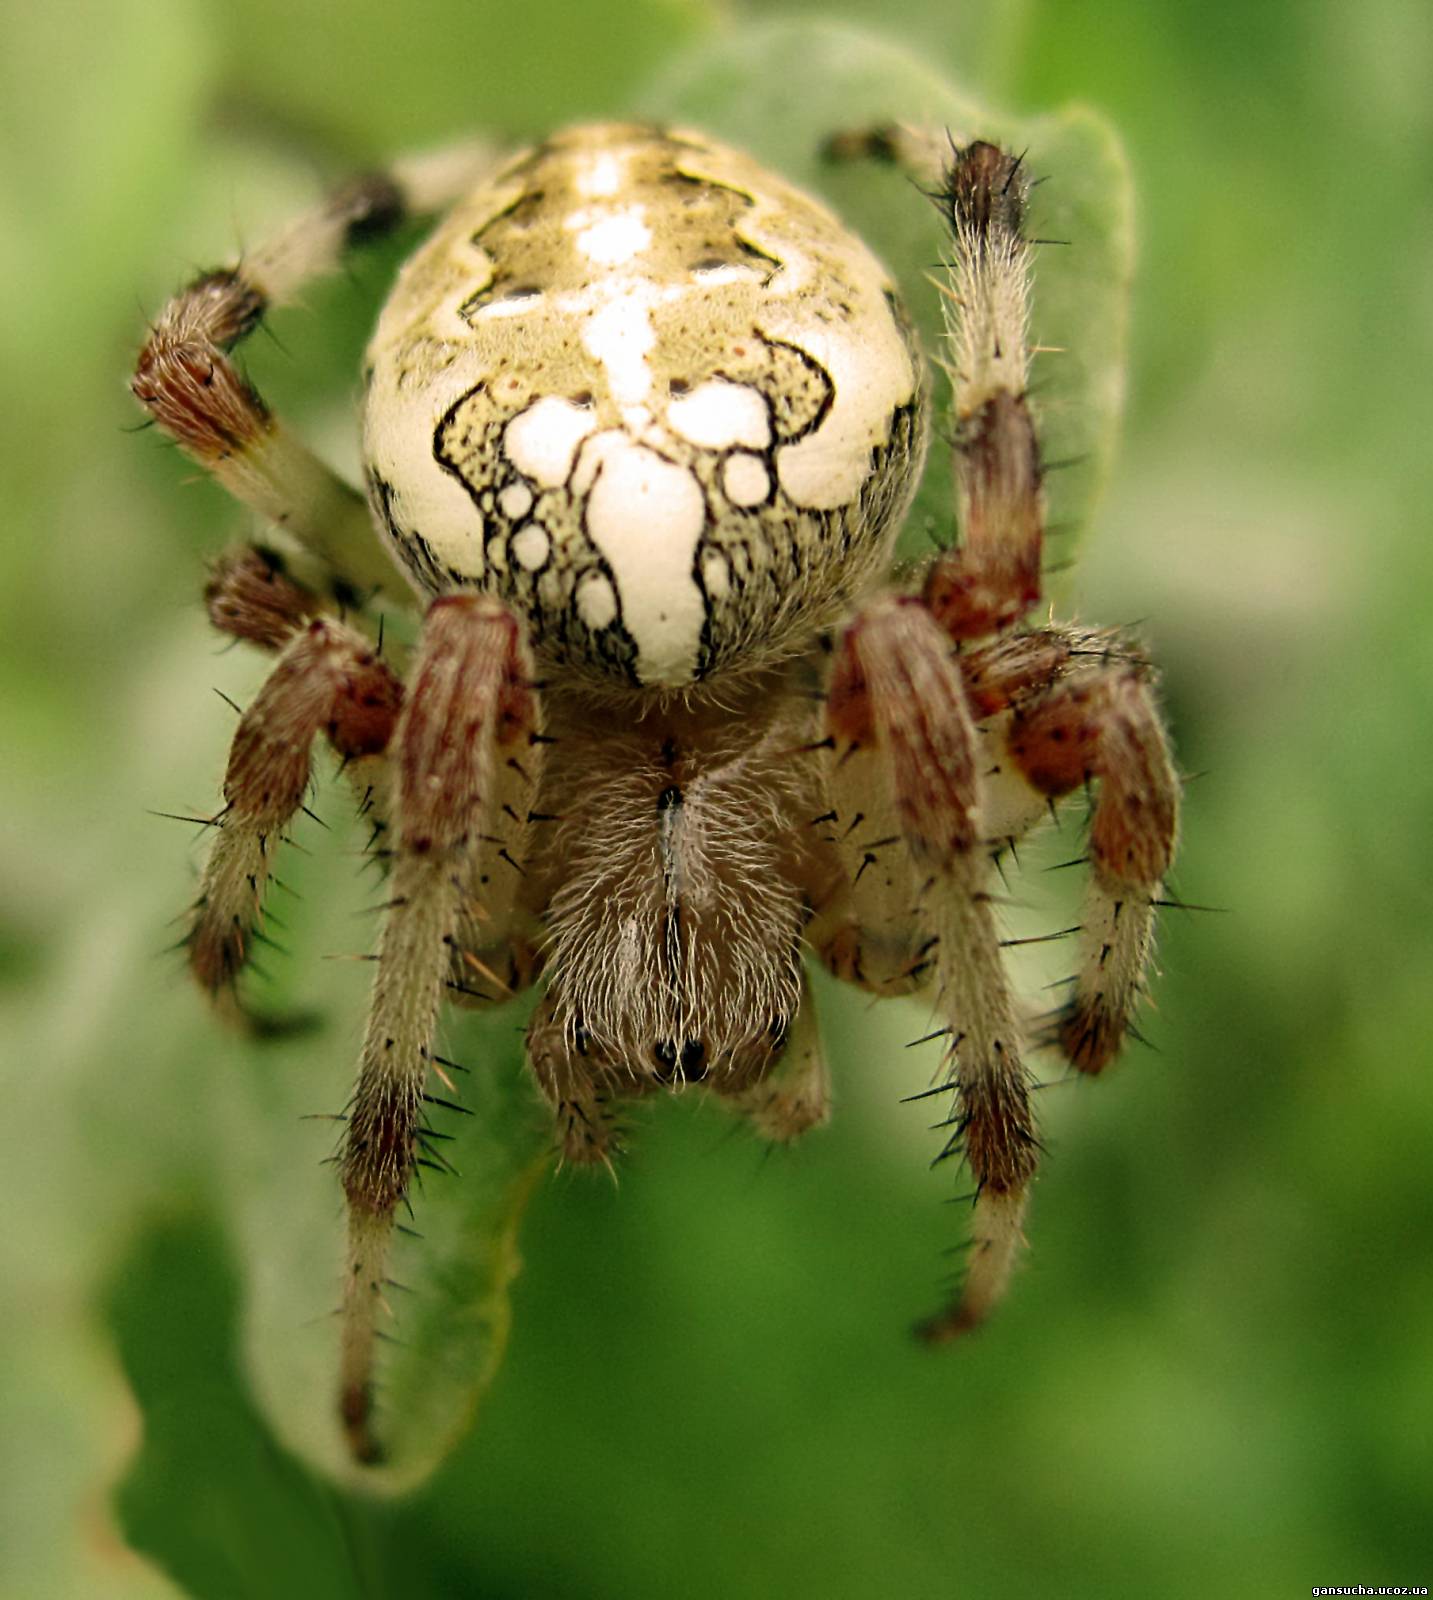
{"x":254,"y":1521}
{"x":450,"y":1278}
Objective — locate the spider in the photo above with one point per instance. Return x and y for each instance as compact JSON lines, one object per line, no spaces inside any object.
{"x":642,"y":423}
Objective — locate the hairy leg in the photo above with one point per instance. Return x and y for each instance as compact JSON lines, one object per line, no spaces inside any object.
{"x":470,"y":702}
{"x":1059,"y":707}
{"x":327,"y":680}
{"x":792,"y":1095}
{"x":186,"y":379}
{"x":896,"y":687}
{"x":1103,"y":726}
{"x":1079,"y":709}
{"x":991,"y":579}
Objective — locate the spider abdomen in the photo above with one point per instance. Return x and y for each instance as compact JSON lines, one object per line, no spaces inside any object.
{"x":653,"y":396}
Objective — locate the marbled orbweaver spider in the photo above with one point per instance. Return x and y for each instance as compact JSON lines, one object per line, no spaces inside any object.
{"x":642,"y":424}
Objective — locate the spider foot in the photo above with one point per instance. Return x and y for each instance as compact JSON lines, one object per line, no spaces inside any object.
{"x":1104,"y":725}
{"x":995,"y":1243}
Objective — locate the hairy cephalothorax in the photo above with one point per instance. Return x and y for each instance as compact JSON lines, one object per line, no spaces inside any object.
{"x":642,"y":424}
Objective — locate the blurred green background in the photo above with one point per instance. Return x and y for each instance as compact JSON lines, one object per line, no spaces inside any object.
{"x":1215,"y":1371}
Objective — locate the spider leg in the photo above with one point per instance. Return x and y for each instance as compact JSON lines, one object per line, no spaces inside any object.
{"x":581,"y":1086}
{"x":495,"y":946}
{"x":186,"y":379}
{"x":896,"y":684}
{"x":897,"y":688}
{"x":1103,"y":724}
{"x":793,"y":1093}
{"x":327,"y":680}
{"x":470,"y":702}
{"x":1077,"y":707}
{"x":991,"y":579}
{"x":250,"y":595}
{"x":1057,"y":707}
{"x":865,"y":928}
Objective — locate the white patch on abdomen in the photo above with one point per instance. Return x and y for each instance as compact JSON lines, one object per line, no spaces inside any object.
{"x":398,"y":447}
{"x":870,"y":378}
{"x":719,"y":414}
{"x":541,"y":441}
{"x":530,"y":546}
{"x":596,"y":603}
{"x":515,"y":501}
{"x":646,"y":517}
{"x":620,"y":335}
{"x":745,"y":480}
{"x":611,"y":240}
{"x":716,"y":575}
{"x":600,"y":177}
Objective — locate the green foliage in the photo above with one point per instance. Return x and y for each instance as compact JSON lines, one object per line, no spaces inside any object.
{"x":253,"y":1521}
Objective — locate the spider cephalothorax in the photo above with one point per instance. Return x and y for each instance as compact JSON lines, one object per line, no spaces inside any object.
{"x":642,"y":425}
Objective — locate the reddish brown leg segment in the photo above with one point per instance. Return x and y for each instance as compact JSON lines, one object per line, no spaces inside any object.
{"x":896,"y":682}
{"x":326,"y":680}
{"x":1105,"y":726}
{"x":469,"y":700}
{"x":250,"y":596}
